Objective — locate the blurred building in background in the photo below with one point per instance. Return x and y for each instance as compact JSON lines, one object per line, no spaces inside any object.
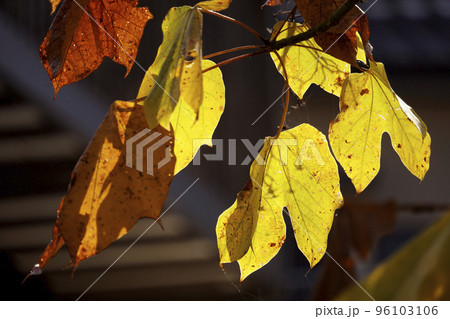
{"x":42,"y":138}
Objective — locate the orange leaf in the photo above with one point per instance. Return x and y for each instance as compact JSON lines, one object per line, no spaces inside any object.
{"x":340,"y":40}
{"x":106,"y":197}
{"x":54,"y":4}
{"x":85,"y":31}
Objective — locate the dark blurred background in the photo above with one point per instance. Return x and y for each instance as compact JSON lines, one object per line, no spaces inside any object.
{"x":42,"y":138}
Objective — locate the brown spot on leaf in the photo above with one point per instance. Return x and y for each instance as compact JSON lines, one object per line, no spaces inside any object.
{"x":364,"y":91}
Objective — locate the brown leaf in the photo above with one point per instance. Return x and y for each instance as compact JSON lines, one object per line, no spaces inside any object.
{"x":356,"y":229}
{"x":85,"y":31}
{"x":106,"y":197}
{"x":340,"y":40}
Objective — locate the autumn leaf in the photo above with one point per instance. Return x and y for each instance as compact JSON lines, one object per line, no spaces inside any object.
{"x":356,"y":231}
{"x":418,"y":271}
{"x":177,"y":68}
{"x":189,"y":133}
{"x":369,"y":107}
{"x":106,"y":197}
{"x":85,"y":31}
{"x":306,"y":63}
{"x":340,"y":40}
{"x":216,"y":5}
{"x":297,"y":172}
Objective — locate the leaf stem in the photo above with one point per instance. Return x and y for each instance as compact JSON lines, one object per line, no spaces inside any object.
{"x":239,"y":23}
{"x":286,"y":90}
{"x":307,"y":47}
{"x":244,"y":47}
{"x":234,"y":59}
{"x":292,"y":13}
{"x":138,"y":100}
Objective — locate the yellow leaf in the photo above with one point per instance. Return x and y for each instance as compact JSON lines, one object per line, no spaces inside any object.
{"x":216,"y":5}
{"x":106,"y":198}
{"x":361,"y":53}
{"x":191,"y":134}
{"x":177,"y":68}
{"x":418,"y":271}
{"x":235,"y":227}
{"x":296,"y":171}
{"x":307,"y":64}
{"x":369,"y":107}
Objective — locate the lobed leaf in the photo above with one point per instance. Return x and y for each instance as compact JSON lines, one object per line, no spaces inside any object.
{"x":85,"y":31}
{"x":340,"y":40}
{"x":189,"y":133}
{"x":369,"y":107}
{"x":106,"y":198}
{"x":418,"y":271}
{"x":306,"y":63}
{"x":177,"y":68}
{"x":297,"y":172}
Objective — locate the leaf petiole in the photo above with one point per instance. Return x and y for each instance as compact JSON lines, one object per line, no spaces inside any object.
{"x":234,"y":59}
{"x":286,"y":90}
{"x":239,"y":23}
{"x":244,"y":47}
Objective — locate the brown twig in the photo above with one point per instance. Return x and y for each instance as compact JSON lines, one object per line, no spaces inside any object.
{"x":227,"y":18}
{"x":284,"y":22}
{"x":237,"y":58}
{"x":244,"y":47}
{"x":333,"y":20}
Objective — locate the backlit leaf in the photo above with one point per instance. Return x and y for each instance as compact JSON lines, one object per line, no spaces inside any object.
{"x":355,"y":233}
{"x":177,"y":68}
{"x":106,"y":197}
{"x":369,"y":107}
{"x":216,"y":5}
{"x":85,"y":31}
{"x":297,"y":172}
{"x":190,"y":134}
{"x":306,"y":63}
{"x":418,"y":271}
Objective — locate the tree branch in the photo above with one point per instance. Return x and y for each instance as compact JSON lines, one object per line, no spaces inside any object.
{"x":333,"y":20}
